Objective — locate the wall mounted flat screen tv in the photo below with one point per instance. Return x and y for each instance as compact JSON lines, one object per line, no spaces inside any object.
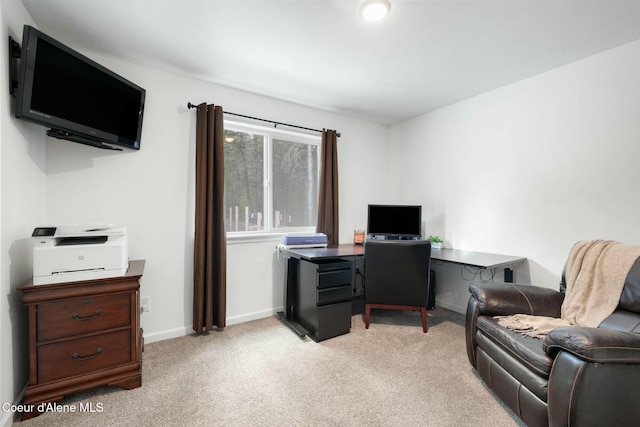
{"x":394,"y":221}
{"x":79,"y":99}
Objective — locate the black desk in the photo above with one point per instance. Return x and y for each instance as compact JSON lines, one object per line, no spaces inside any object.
{"x":471,"y":258}
{"x":350,"y":252}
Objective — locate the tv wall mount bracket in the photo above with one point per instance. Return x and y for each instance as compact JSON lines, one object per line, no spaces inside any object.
{"x":14,"y":58}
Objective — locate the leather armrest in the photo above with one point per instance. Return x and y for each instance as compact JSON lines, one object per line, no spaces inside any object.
{"x":594,"y":344}
{"x":499,"y":299}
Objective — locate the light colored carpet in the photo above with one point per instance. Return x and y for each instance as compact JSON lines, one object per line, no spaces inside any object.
{"x":261,"y":373}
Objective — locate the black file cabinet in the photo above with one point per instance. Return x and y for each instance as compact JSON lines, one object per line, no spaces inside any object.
{"x":324,"y":297}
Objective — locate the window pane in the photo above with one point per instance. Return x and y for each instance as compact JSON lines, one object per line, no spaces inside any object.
{"x":243,"y":181}
{"x":295,"y":184}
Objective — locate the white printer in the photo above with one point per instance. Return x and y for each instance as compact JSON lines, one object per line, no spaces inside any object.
{"x":70,"y":253}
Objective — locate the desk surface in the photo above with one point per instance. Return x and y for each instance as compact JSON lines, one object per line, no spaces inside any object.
{"x":477,"y":259}
{"x":346,"y":250}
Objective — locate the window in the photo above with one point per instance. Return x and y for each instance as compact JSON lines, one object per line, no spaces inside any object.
{"x":271,"y":179}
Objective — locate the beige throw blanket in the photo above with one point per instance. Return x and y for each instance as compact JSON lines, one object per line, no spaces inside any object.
{"x":595,"y":275}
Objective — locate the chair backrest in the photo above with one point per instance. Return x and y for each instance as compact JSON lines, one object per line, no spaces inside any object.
{"x":397,"y":272}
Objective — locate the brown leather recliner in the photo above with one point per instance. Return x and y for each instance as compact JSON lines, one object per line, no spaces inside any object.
{"x":576,"y":376}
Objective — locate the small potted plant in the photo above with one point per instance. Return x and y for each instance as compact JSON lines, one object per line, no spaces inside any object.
{"x":436,"y":242}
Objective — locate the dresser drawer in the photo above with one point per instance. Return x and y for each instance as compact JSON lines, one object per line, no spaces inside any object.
{"x":67,"y":318}
{"x":79,"y":356}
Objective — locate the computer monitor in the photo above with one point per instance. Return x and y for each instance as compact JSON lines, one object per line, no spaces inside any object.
{"x":394,"y":222}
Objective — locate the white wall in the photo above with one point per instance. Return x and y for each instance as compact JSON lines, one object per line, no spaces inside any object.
{"x":531,"y":168}
{"x":151,"y":193}
{"x":22,"y":205}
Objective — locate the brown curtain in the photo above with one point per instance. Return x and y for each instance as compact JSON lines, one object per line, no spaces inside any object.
{"x":210,"y":250}
{"x":328,"y":197}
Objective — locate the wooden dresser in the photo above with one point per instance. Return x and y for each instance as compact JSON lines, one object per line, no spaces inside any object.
{"x":83,"y":335}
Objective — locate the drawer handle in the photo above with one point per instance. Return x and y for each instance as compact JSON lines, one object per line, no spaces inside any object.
{"x":93,"y":316}
{"x":77,"y":355}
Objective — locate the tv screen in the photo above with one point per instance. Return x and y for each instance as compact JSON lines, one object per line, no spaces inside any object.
{"x":79,"y":99}
{"x":394,"y":221}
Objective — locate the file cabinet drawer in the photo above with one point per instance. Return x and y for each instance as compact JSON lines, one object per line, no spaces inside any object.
{"x":329,"y":295}
{"x":67,"y":318}
{"x":330,"y":279}
{"x":333,"y":320}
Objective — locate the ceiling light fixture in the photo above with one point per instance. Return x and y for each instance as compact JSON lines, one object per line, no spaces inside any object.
{"x":375,"y":10}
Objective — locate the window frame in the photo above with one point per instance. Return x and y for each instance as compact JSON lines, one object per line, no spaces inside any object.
{"x":270,"y":133}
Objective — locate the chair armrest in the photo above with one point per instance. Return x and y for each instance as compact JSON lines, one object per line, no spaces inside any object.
{"x":594,"y":344}
{"x":499,"y":299}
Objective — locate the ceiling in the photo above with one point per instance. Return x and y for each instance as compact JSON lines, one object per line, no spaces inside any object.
{"x":424,"y":55}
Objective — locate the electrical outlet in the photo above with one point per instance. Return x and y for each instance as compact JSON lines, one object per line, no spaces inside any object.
{"x":145,"y":304}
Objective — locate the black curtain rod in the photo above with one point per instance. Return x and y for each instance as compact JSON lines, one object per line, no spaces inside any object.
{"x":190,"y":105}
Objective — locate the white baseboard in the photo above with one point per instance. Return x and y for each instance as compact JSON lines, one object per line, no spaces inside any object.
{"x":167,"y":334}
{"x":450,"y":306}
{"x":252,"y":316}
{"x":8,"y":418}
{"x":188,"y":330}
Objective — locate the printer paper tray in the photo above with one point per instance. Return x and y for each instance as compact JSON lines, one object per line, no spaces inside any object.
{"x":78,"y":275}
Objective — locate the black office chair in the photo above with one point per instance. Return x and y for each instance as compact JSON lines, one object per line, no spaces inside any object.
{"x":396,"y":276}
